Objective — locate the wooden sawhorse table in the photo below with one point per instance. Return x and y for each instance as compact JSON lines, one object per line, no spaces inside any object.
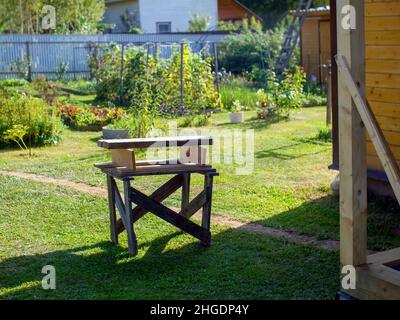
{"x":125,"y":168}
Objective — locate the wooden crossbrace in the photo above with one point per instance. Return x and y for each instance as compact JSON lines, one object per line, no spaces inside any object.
{"x":170,"y":216}
{"x":381,"y":146}
{"x":159,"y":195}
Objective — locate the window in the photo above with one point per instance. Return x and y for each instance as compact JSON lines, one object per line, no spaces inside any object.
{"x":163,"y":27}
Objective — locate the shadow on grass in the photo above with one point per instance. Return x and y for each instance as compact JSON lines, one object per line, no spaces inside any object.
{"x":283,"y":152}
{"x":238,"y":265}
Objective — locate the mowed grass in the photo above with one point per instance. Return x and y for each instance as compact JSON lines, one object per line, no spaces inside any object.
{"x":288,"y":188}
{"x":48,"y":225}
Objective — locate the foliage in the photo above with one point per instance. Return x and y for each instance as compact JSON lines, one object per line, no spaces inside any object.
{"x":198,"y":23}
{"x":195,"y":121}
{"x":45,"y":89}
{"x":76,"y":116}
{"x":238,"y":88}
{"x":72,"y":16}
{"x":324,"y":135}
{"x":13,"y":83}
{"x":62,"y":71}
{"x":273,"y":11}
{"x":263,"y":104}
{"x":17,"y":134}
{"x":237,"y":106}
{"x":287,"y":94}
{"x":151,"y":82}
{"x":140,"y":123}
{"x":252,"y":52}
{"x":20,"y":111}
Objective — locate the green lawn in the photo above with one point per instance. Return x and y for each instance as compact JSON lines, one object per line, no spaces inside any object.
{"x":288,"y":189}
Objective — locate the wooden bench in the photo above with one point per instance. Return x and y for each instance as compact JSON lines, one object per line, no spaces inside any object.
{"x":125,"y":167}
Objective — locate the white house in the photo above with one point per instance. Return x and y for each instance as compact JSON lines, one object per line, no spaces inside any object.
{"x":163,"y":16}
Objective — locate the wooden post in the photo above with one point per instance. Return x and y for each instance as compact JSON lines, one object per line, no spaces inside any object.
{"x":113,"y":214}
{"x":121,"y":89}
{"x":352,"y":143}
{"x":28,"y":60}
{"x":329,"y":104}
{"x":181,"y":73}
{"x":206,"y":218}
{"x":216,"y":67}
{"x":185,"y":190}
{"x":132,"y":242}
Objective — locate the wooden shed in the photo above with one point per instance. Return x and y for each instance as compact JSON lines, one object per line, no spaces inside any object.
{"x":367,"y":133}
{"x":382,"y":86}
{"x":315,"y":43}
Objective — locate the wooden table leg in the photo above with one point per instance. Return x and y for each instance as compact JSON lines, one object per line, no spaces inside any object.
{"x":132,"y":242}
{"x":206,"y":217}
{"x":113,"y":214}
{"x":185,"y":190}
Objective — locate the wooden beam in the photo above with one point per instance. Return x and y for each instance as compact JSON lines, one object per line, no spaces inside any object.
{"x":170,"y":216}
{"x":352,"y":143}
{"x":159,"y":195}
{"x":194,"y":205}
{"x":142,"y":143}
{"x":375,"y":133}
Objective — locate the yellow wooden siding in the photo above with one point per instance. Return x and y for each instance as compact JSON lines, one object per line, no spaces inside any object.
{"x":382,"y":40}
{"x":315,"y":45}
{"x":310,"y":47}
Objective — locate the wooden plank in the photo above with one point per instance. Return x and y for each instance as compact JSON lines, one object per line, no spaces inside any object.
{"x":382,"y":38}
{"x":159,"y":195}
{"x":383,"y":95}
{"x":375,"y":133}
{"x":208,"y":188}
{"x":170,"y":216}
{"x":154,"y":142}
{"x":384,"y":257}
{"x":382,"y":66}
{"x":352,"y":154}
{"x":383,"y":80}
{"x":132,"y":242}
{"x":382,"y":9}
{"x":382,"y":52}
{"x":185,"y":190}
{"x":194,"y":206}
{"x":112,"y":211}
{"x":376,"y":283}
{"x":382,"y":23}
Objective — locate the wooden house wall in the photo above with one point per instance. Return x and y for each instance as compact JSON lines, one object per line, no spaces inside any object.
{"x":382,"y":40}
{"x":315,"y":45}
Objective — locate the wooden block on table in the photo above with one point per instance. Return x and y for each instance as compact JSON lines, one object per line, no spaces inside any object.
{"x":193,"y":154}
{"x":124,"y":158}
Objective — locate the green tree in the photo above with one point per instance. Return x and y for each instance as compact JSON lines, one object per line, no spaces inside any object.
{"x":198,"y":23}
{"x":72,"y":16}
{"x":272,"y":11}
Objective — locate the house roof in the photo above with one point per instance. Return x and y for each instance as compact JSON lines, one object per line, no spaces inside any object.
{"x":317,"y":10}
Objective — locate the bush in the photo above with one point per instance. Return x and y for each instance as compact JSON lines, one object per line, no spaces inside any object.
{"x":282,"y":96}
{"x":76,"y":117}
{"x":42,"y":123}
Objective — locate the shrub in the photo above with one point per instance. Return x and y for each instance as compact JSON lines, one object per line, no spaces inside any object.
{"x":75,"y":116}
{"x":286,"y":95}
{"x":20,"y":111}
